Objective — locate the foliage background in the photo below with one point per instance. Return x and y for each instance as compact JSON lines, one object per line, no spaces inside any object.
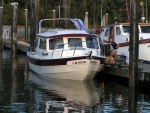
{"x":77,"y":10}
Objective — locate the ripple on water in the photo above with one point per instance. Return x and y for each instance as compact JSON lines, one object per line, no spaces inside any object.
{"x":23,"y":91}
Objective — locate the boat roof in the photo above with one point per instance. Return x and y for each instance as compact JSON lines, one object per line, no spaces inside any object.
{"x":127,"y":24}
{"x":57,"y":33}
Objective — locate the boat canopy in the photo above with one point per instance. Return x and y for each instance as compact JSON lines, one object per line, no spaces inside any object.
{"x":77,"y":22}
{"x":56,"y":34}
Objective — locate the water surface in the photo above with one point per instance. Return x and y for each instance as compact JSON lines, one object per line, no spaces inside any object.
{"x":23,"y":91}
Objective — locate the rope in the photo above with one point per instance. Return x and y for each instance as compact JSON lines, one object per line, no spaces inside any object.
{"x":108,"y":51}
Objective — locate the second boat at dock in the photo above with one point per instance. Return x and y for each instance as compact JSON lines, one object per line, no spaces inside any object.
{"x":120,"y":32}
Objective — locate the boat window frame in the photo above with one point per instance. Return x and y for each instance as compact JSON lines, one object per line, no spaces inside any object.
{"x":55,"y":45}
{"x":37,"y":42}
{"x":107,"y":32}
{"x":111,"y":31}
{"x":94,"y":43}
{"x":126,"y":29}
{"x":44,"y":44}
{"x":118,"y":30}
{"x":145,"y":29}
{"x":75,"y":43}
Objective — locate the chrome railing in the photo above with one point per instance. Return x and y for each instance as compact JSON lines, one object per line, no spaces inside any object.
{"x":75,"y":46}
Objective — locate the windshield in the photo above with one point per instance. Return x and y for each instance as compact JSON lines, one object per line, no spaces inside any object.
{"x":126,"y":29}
{"x":92,"y":43}
{"x":145,"y":29}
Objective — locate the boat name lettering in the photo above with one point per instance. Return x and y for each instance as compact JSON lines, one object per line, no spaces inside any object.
{"x":93,"y":62}
{"x":79,"y":62}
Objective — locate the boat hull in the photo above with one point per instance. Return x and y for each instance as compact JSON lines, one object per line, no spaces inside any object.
{"x":75,"y":69}
{"x":144,"y":45}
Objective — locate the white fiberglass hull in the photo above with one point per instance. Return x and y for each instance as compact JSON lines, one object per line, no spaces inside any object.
{"x":83,"y":71}
{"x":144,"y":51}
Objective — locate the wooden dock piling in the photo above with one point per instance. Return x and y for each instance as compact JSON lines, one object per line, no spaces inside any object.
{"x":133,"y":53}
{"x":14,"y":19}
{"x":32,"y":24}
{"x":1,"y":25}
{"x":66,"y":5}
{"x":1,"y":29}
{"x":86,"y":22}
{"x":16,"y":45}
{"x":54,"y":16}
{"x":13,"y":73}
{"x":134,"y":44}
{"x":1,"y":3}
{"x":26,"y":24}
{"x":34,"y":21}
{"x":106,"y":23}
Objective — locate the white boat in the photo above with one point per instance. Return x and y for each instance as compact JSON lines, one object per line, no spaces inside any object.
{"x":120,"y":32}
{"x":66,"y":53}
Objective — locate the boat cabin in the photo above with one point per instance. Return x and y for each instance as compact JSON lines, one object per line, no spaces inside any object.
{"x":58,"y":44}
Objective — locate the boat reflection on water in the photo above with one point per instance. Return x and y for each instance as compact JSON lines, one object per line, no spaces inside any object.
{"x":67,"y":94}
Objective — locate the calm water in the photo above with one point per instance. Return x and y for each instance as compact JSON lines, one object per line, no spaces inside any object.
{"x":23,"y":91}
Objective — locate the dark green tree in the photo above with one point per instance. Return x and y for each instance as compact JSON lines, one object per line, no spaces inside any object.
{"x":114,"y":8}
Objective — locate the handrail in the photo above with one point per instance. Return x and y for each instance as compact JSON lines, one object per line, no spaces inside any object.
{"x":96,"y":45}
{"x":74,"y":49}
{"x":52,"y":53}
{"x":6,"y":33}
{"x":62,"y":52}
{"x":99,"y":44}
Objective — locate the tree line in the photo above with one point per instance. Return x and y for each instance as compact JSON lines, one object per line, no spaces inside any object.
{"x":116,"y":10}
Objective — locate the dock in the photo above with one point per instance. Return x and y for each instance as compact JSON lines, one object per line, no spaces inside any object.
{"x":122,"y":71}
{"x":22,"y":44}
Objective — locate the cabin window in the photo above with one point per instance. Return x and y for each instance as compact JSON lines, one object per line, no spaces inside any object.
{"x":51,"y":44}
{"x":107,"y":32}
{"x":118,"y":32}
{"x":74,"y":42}
{"x":145,"y":29}
{"x":42,"y":44}
{"x":126,"y":29}
{"x":92,"y":43}
{"x":56,"y":43}
{"x":37,"y":40}
{"x":111,"y":31}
